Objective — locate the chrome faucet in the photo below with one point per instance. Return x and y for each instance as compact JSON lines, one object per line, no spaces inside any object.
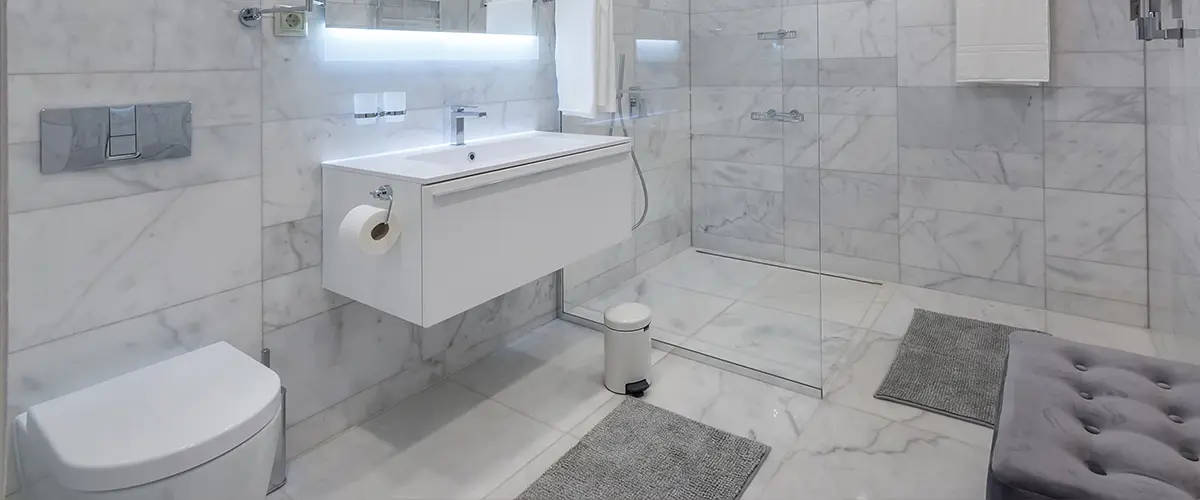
{"x":458,"y":115}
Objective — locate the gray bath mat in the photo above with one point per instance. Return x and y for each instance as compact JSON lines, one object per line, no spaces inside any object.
{"x":950,"y":365}
{"x":640,"y":451}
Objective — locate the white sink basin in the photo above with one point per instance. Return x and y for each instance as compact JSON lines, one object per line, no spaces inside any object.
{"x":442,"y":163}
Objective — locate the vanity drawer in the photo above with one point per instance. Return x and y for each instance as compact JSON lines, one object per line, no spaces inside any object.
{"x":485,"y":235}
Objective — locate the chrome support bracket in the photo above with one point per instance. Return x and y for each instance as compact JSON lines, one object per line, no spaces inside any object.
{"x":776,"y":35}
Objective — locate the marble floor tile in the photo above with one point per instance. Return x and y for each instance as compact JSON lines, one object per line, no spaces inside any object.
{"x":854,"y":384}
{"x":825,"y":298}
{"x":446,"y":442}
{"x":710,"y":274}
{"x":730,"y":402}
{"x":1177,"y":346}
{"x":515,"y":485}
{"x":898,"y":312}
{"x":1090,"y":331}
{"x":554,"y":374}
{"x":770,"y":340}
{"x":679,"y":310}
{"x":846,"y":454}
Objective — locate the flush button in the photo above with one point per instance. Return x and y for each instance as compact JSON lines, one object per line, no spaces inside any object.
{"x":122,"y":146}
{"x":122,"y":121}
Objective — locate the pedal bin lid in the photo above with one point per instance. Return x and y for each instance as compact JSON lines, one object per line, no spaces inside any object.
{"x":629,"y":317}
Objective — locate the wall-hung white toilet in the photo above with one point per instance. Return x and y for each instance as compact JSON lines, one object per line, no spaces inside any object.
{"x":201,"y":426}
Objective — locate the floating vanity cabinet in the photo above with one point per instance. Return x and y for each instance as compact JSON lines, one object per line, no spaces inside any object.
{"x":475,"y":221}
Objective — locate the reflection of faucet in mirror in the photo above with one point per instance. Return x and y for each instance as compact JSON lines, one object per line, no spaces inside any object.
{"x":458,"y":116}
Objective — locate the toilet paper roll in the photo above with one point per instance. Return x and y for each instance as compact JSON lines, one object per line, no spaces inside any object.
{"x":365,"y":229}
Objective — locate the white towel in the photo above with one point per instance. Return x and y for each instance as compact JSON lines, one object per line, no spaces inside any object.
{"x":584,"y":56}
{"x":1003,"y":41}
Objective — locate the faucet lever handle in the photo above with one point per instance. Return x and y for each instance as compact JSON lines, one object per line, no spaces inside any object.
{"x":462,"y":107}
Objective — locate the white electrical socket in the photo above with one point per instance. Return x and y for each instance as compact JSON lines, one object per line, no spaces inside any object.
{"x":291,"y":24}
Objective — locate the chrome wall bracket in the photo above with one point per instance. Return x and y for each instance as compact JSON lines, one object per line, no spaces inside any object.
{"x":776,"y":35}
{"x":770,"y":115}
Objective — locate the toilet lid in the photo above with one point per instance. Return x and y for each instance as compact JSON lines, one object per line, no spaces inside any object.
{"x":158,"y":421}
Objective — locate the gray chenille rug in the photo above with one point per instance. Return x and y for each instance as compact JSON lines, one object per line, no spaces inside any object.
{"x":640,"y":451}
{"x":950,"y":365}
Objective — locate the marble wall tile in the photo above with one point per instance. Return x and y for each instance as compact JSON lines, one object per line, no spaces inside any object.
{"x":973,"y":197}
{"x":740,"y":60}
{"x":296,"y":296}
{"x":218,"y":97}
{"x":605,"y":282}
{"x":1102,"y":157}
{"x":1082,"y":104}
{"x":802,"y":194}
{"x":1097,"y":69}
{"x":883,"y":247}
{"x":656,"y":233}
{"x":726,"y":111}
{"x":1111,"y":311}
{"x":800,"y":234}
{"x":876,"y":101}
{"x":39,"y":373}
{"x":860,"y":201}
{"x":312,"y":431}
{"x":857,"y":29}
{"x":739,"y":149}
{"x":1106,"y":281}
{"x":670,"y":192}
{"x":77,"y":267}
{"x":198,"y":36}
{"x":972,"y":118}
{"x":739,"y":175}
{"x":599,"y":262}
{"x":803,"y":20}
{"x":703,"y":6}
{"x":808,"y":99}
{"x":802,"y":257}
{"x":924,"y":12}
{"x":737,"y":213}
{"x":800,"y":71}
{"x":1098,"y":227}
{"x":60,"y":36}
{"x":859,"y":143}
{"x":469,"y":336}
{"x":663,"y":138}
{"x":1092,"y":26}
{"x":802,"y":141}
{"x":293,"y":151}
{"x":1012,"y":169}
{"x":330,"y":357}
{"x":996,"y":248}
{"x":655,"y":256}
{"x":926,"y":56}
{"x":856,"y":267}
{"x":739,"y":246}
{"x":219,"y":154}
{"x":291,"y":247}
{"x":1010,"y":293}
{"x":876,"y":72}
{"x":736,"y":22}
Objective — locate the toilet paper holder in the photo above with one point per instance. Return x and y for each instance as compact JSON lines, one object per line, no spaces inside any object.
{"x":384,"y":193}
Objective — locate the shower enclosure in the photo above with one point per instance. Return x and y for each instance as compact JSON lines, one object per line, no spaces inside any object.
{"x":722,"y":105}
{"x":805,"y":159}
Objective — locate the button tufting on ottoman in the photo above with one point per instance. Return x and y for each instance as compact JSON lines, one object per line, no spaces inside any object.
{"x":1084,"y":422}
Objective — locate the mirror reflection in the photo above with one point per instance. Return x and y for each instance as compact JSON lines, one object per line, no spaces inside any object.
{"x":510,"y":17}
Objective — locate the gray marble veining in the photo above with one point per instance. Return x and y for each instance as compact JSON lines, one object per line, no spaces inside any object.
{"x":860,"y":201}
{"x":859,"y":143}
{"x":1012,"y":169}
{"x":997,"y":248}
{"x":1098,"y":227}
{"x":972,"y":118}
{"x":738,"y":213}
{"x":926,"y":56}
{"x":1102,"y":157}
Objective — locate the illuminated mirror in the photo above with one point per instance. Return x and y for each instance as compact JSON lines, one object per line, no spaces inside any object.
{"x":509,"y":17}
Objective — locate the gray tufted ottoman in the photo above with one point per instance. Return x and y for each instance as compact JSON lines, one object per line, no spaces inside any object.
{"x":1089,"y":423}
